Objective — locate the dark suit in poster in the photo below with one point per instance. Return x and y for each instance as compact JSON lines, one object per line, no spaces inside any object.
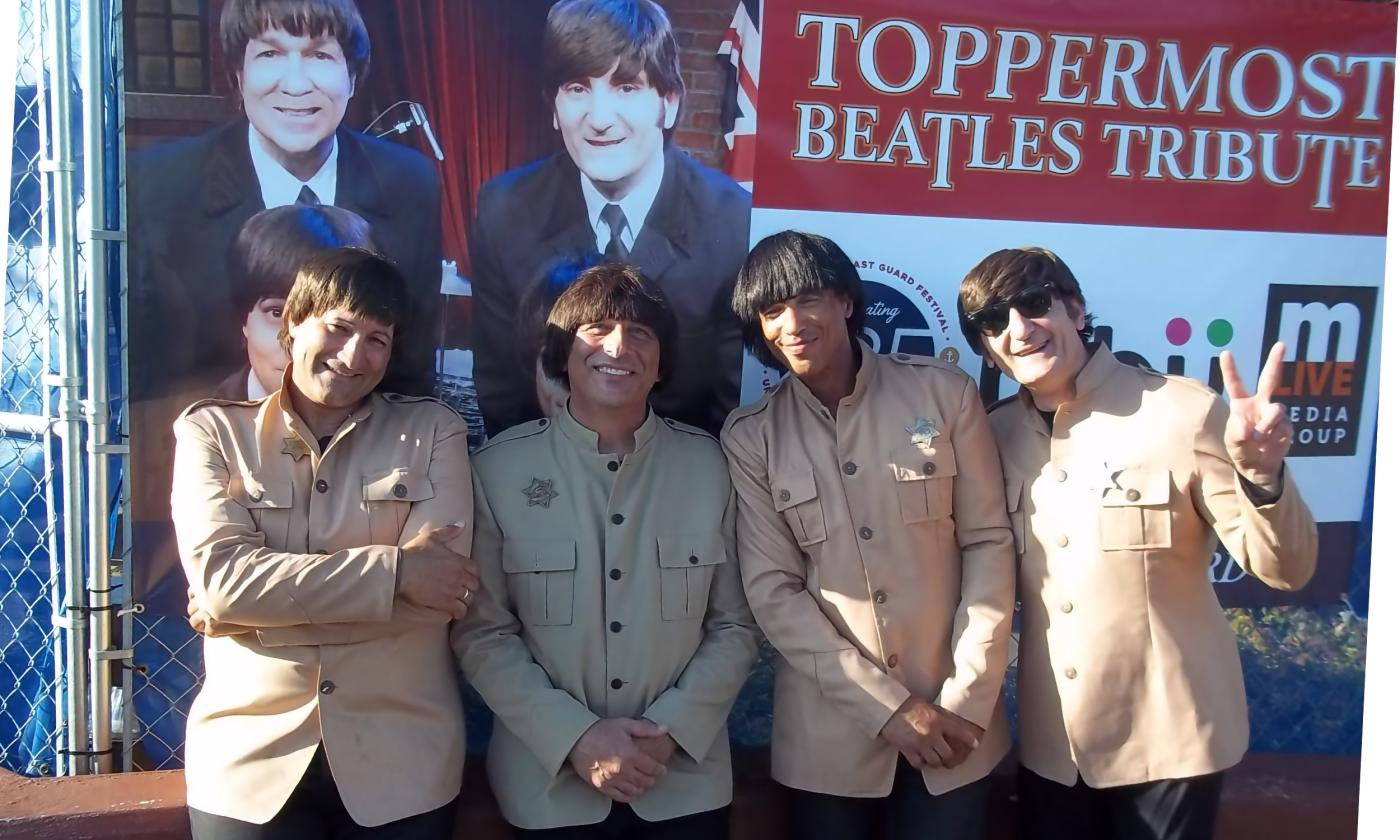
{"x":694,"y":238}
{"x":189,"y":198}
{"x":187,"y":201}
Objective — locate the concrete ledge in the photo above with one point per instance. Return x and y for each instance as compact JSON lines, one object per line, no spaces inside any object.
{"x":1279,"y":796}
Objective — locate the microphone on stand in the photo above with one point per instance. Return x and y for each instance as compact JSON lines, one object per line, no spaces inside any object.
{"x":420,"y":117}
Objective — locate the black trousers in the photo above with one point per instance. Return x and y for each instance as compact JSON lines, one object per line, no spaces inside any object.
{"x":910,"y":812}
{"x":1171,"y":809}
{"x":315,"y":812}
{"x":623,"y":823}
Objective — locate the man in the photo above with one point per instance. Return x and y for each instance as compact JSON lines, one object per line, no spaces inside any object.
{"x":876,"y":556}
{"x":266,"y":254}
{"x":1120,"y":482}
{"x":611,"y":636}
{"x":322,"y":530}
{"x":295,"y":65}
{"x":612,"y":75}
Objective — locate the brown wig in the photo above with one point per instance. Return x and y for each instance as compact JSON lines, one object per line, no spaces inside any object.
{"x":244,"y":20}
{"x":1002,"y":274}
{"x":607,"y":292}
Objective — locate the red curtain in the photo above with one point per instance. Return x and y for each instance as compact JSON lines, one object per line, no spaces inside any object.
{"x":472,"y":66}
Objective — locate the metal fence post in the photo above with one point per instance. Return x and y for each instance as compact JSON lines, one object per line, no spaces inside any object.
{"x":99,"y":449}
{"x":68,"y":381}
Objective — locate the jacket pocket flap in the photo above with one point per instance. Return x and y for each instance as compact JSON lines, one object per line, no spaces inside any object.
{"x":1139,"y":487}
{"x":254,"y":492}
{"x":538,"y":556}
{"x":397,"y":485}
{"x":683,"y":551}
{"x":917,"y":464}
{"x":794,"y":488}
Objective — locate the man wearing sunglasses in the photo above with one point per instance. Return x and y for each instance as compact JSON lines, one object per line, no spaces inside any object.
{"x":1120,"y":481}
{"x":876,"y":556}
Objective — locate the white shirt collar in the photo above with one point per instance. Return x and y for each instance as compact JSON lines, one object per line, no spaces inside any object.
{"x":280,"y":187}
{"x":635,"y":205}
{"x":256,"y":391}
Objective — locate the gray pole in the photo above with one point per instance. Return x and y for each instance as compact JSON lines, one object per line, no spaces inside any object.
{"x":68,"y":381}
{"x":98,"y":405}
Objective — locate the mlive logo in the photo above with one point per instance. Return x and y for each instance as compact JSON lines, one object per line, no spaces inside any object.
{"x":1328,"y":333}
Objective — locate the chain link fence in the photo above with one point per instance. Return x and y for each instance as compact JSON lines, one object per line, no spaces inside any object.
{"x":29,"y":638}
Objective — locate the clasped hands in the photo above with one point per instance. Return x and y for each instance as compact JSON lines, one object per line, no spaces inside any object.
{"x":621,"y":757}
{"x":930,"y":736}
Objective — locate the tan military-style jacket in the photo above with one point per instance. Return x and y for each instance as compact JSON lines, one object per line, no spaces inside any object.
{"x":877,"y":559}
{"x":301,"y":547}
{"x":610,"y":589}
{"x":1128,"y":670}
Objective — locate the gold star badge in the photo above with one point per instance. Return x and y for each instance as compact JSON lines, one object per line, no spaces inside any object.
{"x":540,"y":492}
{"x":295,"y":447}
{"x":922,"y":431}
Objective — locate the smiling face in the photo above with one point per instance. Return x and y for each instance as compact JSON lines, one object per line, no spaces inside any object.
{"x":613,"y":365}
{"x":295,"y":90}
{"x":338,"y":357}
{"x":808,"y":332}
{"x":1045,"y":353}
{"x":266,"y":355}
{"x":613,"y":128}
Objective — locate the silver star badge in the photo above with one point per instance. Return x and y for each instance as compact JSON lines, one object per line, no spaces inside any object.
{"x":922,"y":431}
{"x":1103,"y":478}
{"x":540,"y":492}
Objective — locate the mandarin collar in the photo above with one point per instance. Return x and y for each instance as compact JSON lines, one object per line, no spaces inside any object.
{"x":586,"y":438}
{"x":1100,"y":367}
{"x":866,"y":372}
{"x":282,"y":400}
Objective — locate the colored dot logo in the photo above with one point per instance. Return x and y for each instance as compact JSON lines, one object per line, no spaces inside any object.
{"x":1218,"y":332}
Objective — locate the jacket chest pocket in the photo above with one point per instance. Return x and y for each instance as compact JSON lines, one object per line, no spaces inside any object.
{"x":795,"y":497}
{"x":388,"y":497}
{"x":1136,"y":514}
{"x":540,"y":577}
{"x":1015,"y":511}
{"x":688,"y":565}
{"x":923,"y":481}
{"x":269,"y":502}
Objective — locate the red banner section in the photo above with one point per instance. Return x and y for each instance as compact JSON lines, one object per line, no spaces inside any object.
{"x":1190,"y":114}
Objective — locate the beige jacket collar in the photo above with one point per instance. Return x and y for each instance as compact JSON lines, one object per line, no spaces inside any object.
{"x":1100,"y":368}
{"x":586,"y":438}
{"x":866,"y":374}
{"x":278,"y":416}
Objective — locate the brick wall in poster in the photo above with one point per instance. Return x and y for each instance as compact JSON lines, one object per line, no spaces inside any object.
{"x":699,"y":27}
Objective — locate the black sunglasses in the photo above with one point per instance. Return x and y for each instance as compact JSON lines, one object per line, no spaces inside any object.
{"x":1031,"y":303}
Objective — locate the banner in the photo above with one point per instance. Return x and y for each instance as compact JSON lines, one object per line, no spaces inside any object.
{"x":1215,"y":174}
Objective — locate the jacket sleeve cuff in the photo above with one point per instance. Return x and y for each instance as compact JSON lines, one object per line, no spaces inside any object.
{"x":553,"y":736}
{"x":860,"y":689}
{"x":961,"y":702}
{"x":693,"y":731}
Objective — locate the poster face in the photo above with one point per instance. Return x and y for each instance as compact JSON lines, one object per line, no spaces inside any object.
{"x":1215,"y":180}
{"x":442,"y":135}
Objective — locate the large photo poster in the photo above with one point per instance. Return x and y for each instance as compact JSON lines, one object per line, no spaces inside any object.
{"x":1216,"y":174}
{"x":1216,"y":177}
{"x":452,"y":138}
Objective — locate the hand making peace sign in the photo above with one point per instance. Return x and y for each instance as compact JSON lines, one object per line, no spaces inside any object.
{"x":1258,"y":433}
